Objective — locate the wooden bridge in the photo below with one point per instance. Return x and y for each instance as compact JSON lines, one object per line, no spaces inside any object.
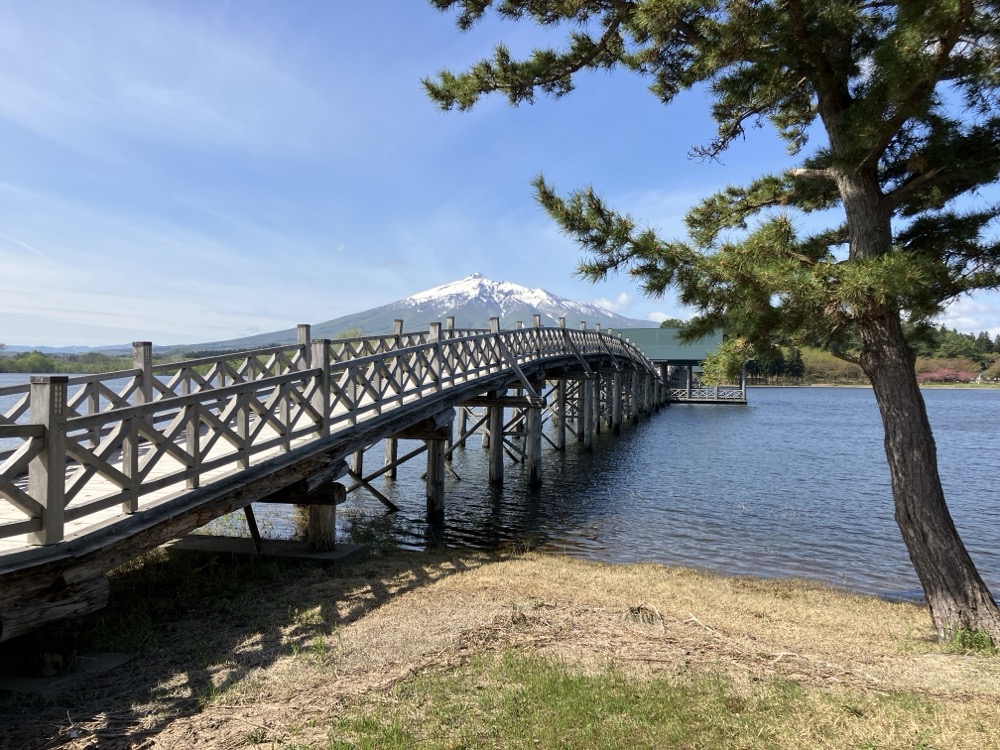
{"x":97,"y":469}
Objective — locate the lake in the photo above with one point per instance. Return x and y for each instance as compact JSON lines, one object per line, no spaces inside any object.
{"x":794,"y":484}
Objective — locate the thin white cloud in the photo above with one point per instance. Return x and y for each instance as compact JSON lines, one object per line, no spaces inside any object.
{"x":90,"y":74}
{"x":619,"y":304}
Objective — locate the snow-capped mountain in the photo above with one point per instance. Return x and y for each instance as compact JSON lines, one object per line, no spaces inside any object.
{"x":475,"y":299}
{"x":472,"y":301}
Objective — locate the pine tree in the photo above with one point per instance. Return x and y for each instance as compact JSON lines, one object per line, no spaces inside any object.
{"x":893,"y":109}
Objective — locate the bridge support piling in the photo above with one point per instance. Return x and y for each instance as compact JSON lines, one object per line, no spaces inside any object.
{"x":587,"y":404}
{"x":391,"y":456}
{"x":579,"y":401}
{"x":322,"y":530}
{"x":436,"y":452}
{"x":596,"y":393}
{"x":533,"y":445}
{"x":561,"y":415}
{"x":463,"y":423}
{"x":496,"y":444}
{"x":609,"y":401}
{"x":616,"y":405}
{"x":636,"y":385}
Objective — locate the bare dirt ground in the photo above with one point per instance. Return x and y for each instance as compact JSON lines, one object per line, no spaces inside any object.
{"x":269,"y":667}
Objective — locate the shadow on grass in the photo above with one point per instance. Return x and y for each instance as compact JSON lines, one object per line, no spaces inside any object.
{"x":196,"y":624}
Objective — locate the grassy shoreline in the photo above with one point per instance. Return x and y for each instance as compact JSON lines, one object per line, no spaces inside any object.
{"x":452,"y":649}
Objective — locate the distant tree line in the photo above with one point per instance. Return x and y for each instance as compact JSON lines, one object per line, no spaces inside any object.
{"x":944,"y":355}
{"x":86,"y":363}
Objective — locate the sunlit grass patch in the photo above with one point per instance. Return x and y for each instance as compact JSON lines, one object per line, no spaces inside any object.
{"x":515,"y":700}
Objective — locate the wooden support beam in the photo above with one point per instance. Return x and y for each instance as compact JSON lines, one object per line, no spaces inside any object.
{"x":437,"y":427}
{"x":258,"y":543}
{"x":512,"y":402}
{"x":363,"y":481}
{"x":302,"y":489}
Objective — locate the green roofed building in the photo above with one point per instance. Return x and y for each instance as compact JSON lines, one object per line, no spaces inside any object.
{"x":680,"y":365}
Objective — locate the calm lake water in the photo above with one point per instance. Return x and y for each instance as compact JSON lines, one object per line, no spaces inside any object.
{"x":794,"y":484}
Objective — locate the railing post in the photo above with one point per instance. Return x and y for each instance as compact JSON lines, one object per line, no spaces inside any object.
{"x":436,"y":365}
{"x":397,"y":331}
{"x":562,"y":322}
{"x":320,"y":361}
{"x":304,"y":335}
{"x":142,"y":359}
{"x":449,"y":323}
{"x":494,"y":325}
{"x":47,"y":470}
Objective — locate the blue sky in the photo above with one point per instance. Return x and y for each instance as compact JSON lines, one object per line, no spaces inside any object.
{"x":193,"y":171}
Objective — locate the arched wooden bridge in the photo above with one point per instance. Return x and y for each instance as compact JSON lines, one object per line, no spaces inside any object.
{"x":97,"y":469}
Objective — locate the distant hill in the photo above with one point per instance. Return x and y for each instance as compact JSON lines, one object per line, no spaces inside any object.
{"x":472,"y":301}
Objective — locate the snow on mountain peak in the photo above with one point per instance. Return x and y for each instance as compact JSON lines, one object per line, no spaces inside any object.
{"x":504,"y":297}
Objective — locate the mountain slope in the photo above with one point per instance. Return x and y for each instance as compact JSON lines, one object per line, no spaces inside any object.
{"x":472,"y":301}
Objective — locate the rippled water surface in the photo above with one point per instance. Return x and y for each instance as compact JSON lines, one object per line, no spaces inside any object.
{"x":795,"y":484}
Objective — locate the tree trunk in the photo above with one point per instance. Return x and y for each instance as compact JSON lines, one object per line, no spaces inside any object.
{"x":957,"y":597}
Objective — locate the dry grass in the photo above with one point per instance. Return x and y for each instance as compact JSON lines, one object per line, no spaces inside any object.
{"x":284,"y":653}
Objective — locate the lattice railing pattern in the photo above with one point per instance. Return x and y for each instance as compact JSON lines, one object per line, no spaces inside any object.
{"x":722,"y":393}
{"x":117,"y":439}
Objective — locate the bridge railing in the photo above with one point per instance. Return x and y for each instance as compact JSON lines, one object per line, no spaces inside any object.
{"x":712,"y":393}
{"x":152,"y":439}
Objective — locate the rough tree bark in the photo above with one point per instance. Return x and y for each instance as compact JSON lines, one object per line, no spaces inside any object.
{"x":956,"y":594}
